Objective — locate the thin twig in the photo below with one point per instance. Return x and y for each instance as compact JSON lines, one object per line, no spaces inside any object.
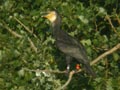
{"x":118,"y":19}
{"x":15,"y":34}
{"x":47,"y":71}
{"x":32,"y":45}
{"x":105,"y":54}
{"x":68,"y":81}
{"x":26,"y":28}
{"x":96,"y":27}
{"x":110,"y":22}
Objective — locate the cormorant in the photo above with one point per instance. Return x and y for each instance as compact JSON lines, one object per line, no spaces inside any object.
{"x":67,"y":44}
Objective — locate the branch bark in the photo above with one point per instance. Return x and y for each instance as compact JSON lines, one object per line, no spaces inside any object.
{"x":118,"y":19}
{"x":105,"y":54}
{"x":68,"y":81}
{"x":110,"y":22}
{"x":15,"y":34}
{"x":32,"y":45}
{"x":26,"y":28}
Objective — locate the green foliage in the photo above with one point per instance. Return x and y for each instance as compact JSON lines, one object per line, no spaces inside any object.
{"x":84,"y":19}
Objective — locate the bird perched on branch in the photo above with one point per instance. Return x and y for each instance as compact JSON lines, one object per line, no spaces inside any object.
{"x":67,"y":44}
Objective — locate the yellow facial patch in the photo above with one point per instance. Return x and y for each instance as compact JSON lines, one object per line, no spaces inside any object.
{"x":51,"y":16}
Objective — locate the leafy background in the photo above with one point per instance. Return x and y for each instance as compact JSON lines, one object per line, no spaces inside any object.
{"x":86,"y":20}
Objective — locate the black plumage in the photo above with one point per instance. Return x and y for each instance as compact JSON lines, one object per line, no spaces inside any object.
{"x":67,"y":44}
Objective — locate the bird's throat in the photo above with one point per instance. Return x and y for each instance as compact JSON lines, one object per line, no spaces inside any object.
{"x":56,"y":31}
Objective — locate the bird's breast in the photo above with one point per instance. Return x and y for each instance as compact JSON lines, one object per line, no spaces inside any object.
{"x":67,"y":48}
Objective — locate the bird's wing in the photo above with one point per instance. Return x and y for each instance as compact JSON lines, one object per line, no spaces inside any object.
{"x":70,"y":46}
{"x":66,"y":38}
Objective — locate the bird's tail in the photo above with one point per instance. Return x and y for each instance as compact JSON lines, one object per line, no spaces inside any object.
{"x":89,"y":70}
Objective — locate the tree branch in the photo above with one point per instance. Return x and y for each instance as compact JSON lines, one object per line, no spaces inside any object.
{"x":32,"y":45}
{"x":26,"y":28}
{"x":15,"y":34}
{"x":110,"y":22}
{"x":105,"y":54}
{"x":68,"y":81}
{"x":118,"y":19}
{"x":47,"y":71}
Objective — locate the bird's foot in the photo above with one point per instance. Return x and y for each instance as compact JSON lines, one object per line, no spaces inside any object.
{"x":67,"y":70}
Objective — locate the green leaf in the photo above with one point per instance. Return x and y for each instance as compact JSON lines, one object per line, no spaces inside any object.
{"x":116,"y":56}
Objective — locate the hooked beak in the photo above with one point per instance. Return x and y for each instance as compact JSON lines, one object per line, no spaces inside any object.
{"x":51,"y":16}
{"x":45,"y":14}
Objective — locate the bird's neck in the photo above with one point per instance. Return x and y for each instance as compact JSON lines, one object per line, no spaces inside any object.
{"x":56,"y":28}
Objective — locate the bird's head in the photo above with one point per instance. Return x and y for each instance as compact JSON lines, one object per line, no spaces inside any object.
{"x":51,"y":16}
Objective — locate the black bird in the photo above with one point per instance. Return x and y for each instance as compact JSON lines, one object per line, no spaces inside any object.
{"x":67,"y":44}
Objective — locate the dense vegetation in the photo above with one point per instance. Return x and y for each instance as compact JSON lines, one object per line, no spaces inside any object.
{"x":26,"y":43}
